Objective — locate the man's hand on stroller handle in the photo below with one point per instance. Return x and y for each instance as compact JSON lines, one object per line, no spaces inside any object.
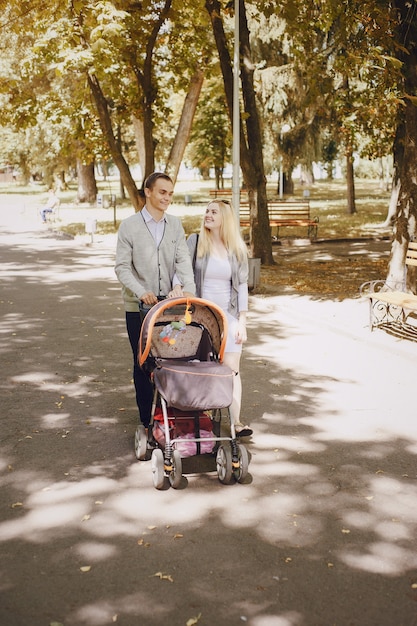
{"x":149,"y":298}
{"x":176,"y":292}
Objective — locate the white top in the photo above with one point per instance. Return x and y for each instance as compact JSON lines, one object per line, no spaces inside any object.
{"x":217,"y":288}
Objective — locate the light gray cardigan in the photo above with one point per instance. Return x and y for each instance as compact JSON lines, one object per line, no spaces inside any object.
{"x":142,"y":266}
{"x":240,"y":274}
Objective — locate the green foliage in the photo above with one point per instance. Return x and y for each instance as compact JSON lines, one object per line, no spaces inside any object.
{"x":211,"y":138}
{"x":326,"y":68}
{"x":331,"y":70}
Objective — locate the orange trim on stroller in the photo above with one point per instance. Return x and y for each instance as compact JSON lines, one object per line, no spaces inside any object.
{"x":171,"y":302}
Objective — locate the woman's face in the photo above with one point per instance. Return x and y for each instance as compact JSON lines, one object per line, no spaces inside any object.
{"x":213,"y":217}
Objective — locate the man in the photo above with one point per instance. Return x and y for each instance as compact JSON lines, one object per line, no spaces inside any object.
{"x":152,"y":261}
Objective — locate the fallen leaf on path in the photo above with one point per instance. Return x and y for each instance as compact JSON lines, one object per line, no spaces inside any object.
{"x":142,"y":542}
{"x":85,"y":518}
{"x":16,"y":504}
{"x":85,"y":568}
{"x":193,"y":620}
{"x":345,"y":531}
{"x":178,"y":536}
{"x":162,"y":576}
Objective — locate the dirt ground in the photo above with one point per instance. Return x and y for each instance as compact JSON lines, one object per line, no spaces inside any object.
{"x":325,"y":269}
{"x":321,"y":533}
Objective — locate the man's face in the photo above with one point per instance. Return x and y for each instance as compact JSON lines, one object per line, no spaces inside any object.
{"x":159,"y":197}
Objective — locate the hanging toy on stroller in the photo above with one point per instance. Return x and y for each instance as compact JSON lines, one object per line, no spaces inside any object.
{"x":181,"y":346}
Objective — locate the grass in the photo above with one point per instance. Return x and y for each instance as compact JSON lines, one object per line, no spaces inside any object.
{"x":335,"y":278}
{"x":327,"y":201}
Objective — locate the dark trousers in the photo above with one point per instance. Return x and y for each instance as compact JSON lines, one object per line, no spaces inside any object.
{"x":143,"y":385}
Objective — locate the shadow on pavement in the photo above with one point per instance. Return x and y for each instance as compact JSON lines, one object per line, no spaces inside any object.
{"x":322,"y":533}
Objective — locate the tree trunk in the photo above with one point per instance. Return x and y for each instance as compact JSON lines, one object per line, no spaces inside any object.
{"x":87,"y":186}
{"x":251,"y":158}
{"x":148,"y":131}
{"x":119,"y":143}
{"x":184,"y":128}
{"x":140,"y":142}
{"x":218,"y":178}
{"x":405,"y":150}
{"x":261,"y":243}
{"x":107,"y":130}
{"x":24,"y":168}
{"x":392,"y":208}
{"x":146,"y":82}
{"x":350,"y":182}
{"x":62,"y":182}
{"x":288,"y":184}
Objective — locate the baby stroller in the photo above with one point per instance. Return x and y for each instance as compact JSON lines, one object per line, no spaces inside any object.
{"x":181,"y":346}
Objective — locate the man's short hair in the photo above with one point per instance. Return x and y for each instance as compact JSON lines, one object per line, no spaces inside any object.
{"x":152,"y":178}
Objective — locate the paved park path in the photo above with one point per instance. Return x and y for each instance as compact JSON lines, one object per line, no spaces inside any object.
{"x":322,"y":533}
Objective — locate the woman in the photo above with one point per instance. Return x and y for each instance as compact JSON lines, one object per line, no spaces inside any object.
{"x":221,"y":276}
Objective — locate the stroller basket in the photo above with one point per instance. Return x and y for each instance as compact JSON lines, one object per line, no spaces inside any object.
{"x":194,"y":385}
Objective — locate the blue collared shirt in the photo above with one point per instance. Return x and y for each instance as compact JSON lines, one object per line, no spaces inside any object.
{"x":157,"y":231}
{"x":155,"y":228}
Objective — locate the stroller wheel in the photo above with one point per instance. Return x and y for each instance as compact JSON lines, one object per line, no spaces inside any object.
{"x":158,"y":473}
{"x":243,"y":457}
{"x":175,"y":475}
{"x":140,"y":443}
{"x":224,"y":464}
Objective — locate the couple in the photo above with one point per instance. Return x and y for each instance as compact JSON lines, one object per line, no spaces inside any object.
{"x":154,"y":259}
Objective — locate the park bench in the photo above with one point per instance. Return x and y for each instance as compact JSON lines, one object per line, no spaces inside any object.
{"x":285,"y":213}
{"x":227,"y":193}
{"x":390,"y":309}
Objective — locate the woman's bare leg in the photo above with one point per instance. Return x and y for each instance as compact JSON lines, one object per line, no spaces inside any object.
{"x":232,"y":359}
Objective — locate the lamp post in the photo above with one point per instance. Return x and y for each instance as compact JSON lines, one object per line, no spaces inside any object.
{"x":284,"y":130}
{"x":236,"y":117}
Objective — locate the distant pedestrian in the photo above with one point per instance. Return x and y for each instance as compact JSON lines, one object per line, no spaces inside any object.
{"x":51,"y":205}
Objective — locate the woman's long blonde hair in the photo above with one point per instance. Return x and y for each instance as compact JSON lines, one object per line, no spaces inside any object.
{"x":229,"y":233}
